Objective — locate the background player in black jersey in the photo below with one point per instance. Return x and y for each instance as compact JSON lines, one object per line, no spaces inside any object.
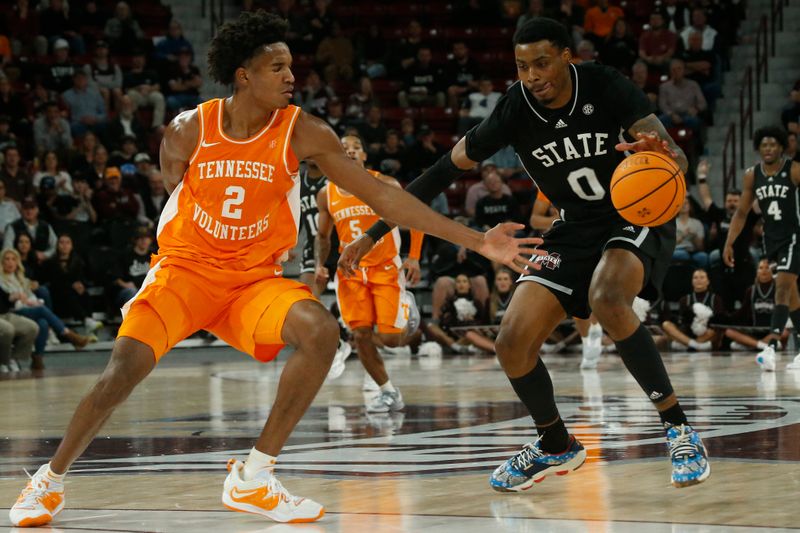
{"x":563,"y":121}
{"x":774,"y":183}
{"x":311,"y":181}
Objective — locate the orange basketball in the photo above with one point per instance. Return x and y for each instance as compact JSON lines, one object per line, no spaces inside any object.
{"x":648,"y":189}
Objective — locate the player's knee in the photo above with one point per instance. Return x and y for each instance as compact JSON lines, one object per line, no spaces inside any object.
{"x":326,"y":335}
{"x":512,"y":346}
{"x":362,"y":335}
{"x":607,"y":304}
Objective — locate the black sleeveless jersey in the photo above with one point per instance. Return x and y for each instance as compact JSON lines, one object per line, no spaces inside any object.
{"x":778,"y":199}
{"x":762,"y":303}
{"x":309,"y":212}
{"x":568,"y":152}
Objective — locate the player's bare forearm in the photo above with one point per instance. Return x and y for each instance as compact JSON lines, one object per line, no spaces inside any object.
{"x":649,"y":125}
{"x":322,"y":249}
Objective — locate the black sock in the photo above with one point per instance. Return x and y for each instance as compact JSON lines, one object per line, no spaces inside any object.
{"x":795,"y":316}
{"x":674,"y":415}
{"x":780,"y":314}
{"x":535,"y":390}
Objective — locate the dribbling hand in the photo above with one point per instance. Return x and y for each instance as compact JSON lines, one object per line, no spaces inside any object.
{"x":500,"y":245}
{"x":413,"y":272}
{"x":647,"y":142}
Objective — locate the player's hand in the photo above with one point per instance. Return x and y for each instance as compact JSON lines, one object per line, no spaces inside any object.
{"x":321,"y":274}
{"x":647,"y":142}
{"x":727,"y":255}
{"x":703,"y":167}
{"x":353,"y":253}
{"x":500,"y":245}
{"x":413,"y":272}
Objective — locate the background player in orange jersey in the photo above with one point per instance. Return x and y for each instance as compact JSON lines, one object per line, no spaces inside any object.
{"x":375,"y":295}
{"x":231,"y":166}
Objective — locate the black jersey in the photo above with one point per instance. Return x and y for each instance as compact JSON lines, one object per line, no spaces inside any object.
{"x":568,"y":152}
{"x":778,"y":198}
{"x":762,"y":303}
{"x":309,"y":212}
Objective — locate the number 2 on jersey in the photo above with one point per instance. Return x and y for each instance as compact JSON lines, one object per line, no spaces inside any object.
{"x":774,"y":210}
{"x":234,"y":196}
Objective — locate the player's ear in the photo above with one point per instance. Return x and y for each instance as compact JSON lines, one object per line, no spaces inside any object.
{"x":240,"y":76}
{"x":566,"y":54}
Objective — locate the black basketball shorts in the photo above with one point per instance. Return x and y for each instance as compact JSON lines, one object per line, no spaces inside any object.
{"x":785,"y":255}
{"x":575,"y":248}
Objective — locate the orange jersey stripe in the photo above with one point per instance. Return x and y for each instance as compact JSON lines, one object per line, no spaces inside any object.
{"x":238,"y":204}
{"x":352,"y":217}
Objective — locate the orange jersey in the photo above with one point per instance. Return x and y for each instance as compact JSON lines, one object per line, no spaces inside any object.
{"x":238,"y":205}
{"x":352,"y":217}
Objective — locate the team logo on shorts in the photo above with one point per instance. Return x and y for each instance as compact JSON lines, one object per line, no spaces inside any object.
{"x":551,"y":261}
{"x":588,"y":109}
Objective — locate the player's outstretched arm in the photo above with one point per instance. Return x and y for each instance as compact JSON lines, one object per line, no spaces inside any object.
{"x":322,"y":242}
{"x":177,"y":147}
{"x":740,"y":216}
{"x":650,"y":134}
{"x":313,"y":139}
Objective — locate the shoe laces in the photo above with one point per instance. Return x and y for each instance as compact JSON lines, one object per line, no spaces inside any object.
{"x":37,"y":487}
{"x":681,"y":445}
{"x":275,"y":487}
{"x":527,"y":456}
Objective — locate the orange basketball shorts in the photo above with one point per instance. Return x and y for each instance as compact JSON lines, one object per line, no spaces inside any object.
{"x":179,"y":297}
{"x":373,"y":296}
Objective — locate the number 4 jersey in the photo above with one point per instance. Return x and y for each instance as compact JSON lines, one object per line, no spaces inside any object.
{"x":238,"y":205}
{"x":777,"y":197}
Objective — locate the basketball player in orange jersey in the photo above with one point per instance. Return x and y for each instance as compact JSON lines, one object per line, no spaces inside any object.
{"x":375,"y":295}
{"x":563,"y":120}
{"x":231,"y":168}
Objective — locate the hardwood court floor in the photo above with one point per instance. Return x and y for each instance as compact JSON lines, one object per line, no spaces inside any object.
{"x":159,"y":463}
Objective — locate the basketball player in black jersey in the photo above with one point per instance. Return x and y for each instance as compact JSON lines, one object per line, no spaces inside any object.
{"x":564,"y":121}
{"x":774,"y":183}
{"x":311,"y":181}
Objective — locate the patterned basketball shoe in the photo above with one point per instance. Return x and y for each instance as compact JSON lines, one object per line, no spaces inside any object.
{"x":766,"y":359}
{"x":39,"y":502}
{"x":267,"y":497}
{"x":532,"y":464}
{"x":689,"y":457}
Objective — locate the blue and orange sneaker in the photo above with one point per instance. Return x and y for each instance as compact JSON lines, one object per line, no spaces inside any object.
{"x":689,"y":457}
{"x":532,"y":464}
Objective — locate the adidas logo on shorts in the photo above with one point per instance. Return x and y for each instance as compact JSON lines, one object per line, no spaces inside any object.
{"x":629,"y":228}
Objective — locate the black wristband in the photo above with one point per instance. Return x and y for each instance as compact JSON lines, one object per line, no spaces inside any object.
{"x":433,"y":181}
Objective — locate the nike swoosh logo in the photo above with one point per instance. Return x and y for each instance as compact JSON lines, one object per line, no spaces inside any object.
{"x":278,"y":271}
{"x":258,"y":497}
{"x":204,"y":144}
{"x":336,"y":202}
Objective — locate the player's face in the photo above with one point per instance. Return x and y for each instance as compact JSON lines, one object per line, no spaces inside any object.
{"x":764,"y":274}
{"x":700,"y":281}
{"x":462,"y":284}
{"x":502,"y":281}
{"x":770,"y":149}
{"x":543,"y":69}
{"x":354,"y":149}
{"x":268,"y":77}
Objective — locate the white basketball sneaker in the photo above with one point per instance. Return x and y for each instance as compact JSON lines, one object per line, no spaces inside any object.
{"x":795,"y":364}
{"x":766,"y":359}
{"x":342,"y":353}
{"x":39,"y":502}
{"x":385,"y":402}
{"x":264,"y":495}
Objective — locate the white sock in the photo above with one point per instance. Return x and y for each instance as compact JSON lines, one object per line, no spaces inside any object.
{"x":693,"y":344}
{"x":761,"y":345}
{"x":58,"y":478}
{"x":388,"y":387}
{"x":256,"y":462}
{"x":585,"y":340}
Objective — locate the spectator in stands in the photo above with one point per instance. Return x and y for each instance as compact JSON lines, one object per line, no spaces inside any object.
{"x":702,"y":67}
{"x":24,"y":246}
{"x":51,"y":131}
{"x":508,"y":164}
{"x":405,"y":52}
{"x":141,"y":84}
{"x":17,"y":285}
{"x":336,"y":56}
{"x":77,"y":207}
{"x":62,"y":181}
{"x":7,"y":137}
{"x":60,"y":72}
{"x":700,"y":24}
{"x":124,"y":156}
{"x":170,"y":46}
{"x":478,"y":105}
{"x":334,"y":116}
{"x":42,"y":236}
{"x":697,"y":310}
{"x":791,"y":147}
{"x":462,"y":309}
{"x":320,"y":21}
{"x":46,"y":198}
{"x":9,"y":212}
{"x":106,"y":75}
{"x":755,"y":315}
{"x":479,"y":190}
{"x":86,"y":106}
{"x":90,"y":19}
{"x":123,"y":31}
{"x":676,"y":14}
{"x":572,"y":15}
{"x":391,"y":158}
{"x":599,"y":21}
{"x":496,"y":207}
{"x":689,"y":238}
{"x":373,"y":130}
{"x":55,"y":23}
{"x":680,"y":100}
{"x":112,"y":201}
{"x":408,"y":133}
{"x":585,"y":52}
{"x":298,"y":36}
{"x":425,"y":152}
{"x":15,"y":176}
{"x":640,"y":77}
{"x":461,"y":74}
{"x":65,"y":275}
{"x":16,"y":331}
{"x":790,"y":116}
{"x":126,"y":124}
{"x":535,"y":9}
{"x":657,"y":44}
{"x":96,"y":172}
{"x":360,"y":101}
{"x":22,"y":24}
{"x":314,"y":95}
{"x":422,"y":84}
{"x":501,"y":295}
{"x":84,"y":155}
{"x":39,"y":96}
{"x":372,"y":52}
{"x":12,"y":107}
{"x":620,"y":48}
{"x":155,"y":196}
{"x":132,"y":267}
{"x":183,"y":83}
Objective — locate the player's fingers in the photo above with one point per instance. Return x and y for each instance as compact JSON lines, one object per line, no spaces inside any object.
{"x":511,"y":227}
{"x":525,"y":263}
{"x":530,"y":240}
{"x":527,"y":252}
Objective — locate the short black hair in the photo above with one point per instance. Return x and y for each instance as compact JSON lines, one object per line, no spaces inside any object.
{"x":776,"y":132}
{"x":240,"y":40}
{"x":734,"y":192}
{"x":543,"y":29}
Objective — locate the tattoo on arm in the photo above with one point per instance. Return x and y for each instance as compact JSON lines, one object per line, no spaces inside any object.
{"x":650,"y":123}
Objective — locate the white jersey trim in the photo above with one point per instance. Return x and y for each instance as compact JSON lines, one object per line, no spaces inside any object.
{"x":249,"y":139}
{"x":636,"y":242}
{"x":170,"y":209}
{"x":788,"y":262}
{"x":547,"y":283}
{"x":202,"y":135}
{"x":148,"y":279}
